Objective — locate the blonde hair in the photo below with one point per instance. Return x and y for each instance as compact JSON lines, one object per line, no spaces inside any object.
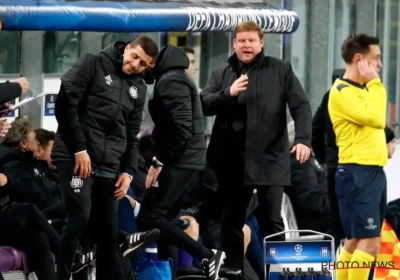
{"x":249,"y":26}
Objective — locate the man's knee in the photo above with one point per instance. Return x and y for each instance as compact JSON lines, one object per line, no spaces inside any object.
{"x":75,"y":225}
{"x":193,"y":229}
{"x":369,"y":245}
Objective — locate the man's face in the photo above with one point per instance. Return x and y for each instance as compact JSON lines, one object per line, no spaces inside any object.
{"x":373,"y":57}
{"x":44,"y":153}
{"x":192,"y":66}
{"x":30,"y":144}
{"x":391,"y":146}
{"x":135,"y":60}
{"x":247,"y":45}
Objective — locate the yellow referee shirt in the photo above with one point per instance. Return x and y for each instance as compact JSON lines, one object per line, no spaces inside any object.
{"x":358,"y":115}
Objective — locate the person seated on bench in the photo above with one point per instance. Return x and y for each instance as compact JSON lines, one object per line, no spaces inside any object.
{"x":25,"y":228}
{"x":308,"y":192}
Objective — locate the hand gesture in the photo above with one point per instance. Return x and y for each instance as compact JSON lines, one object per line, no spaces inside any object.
{"x":23,"y":82}
{"x":367,"y":71}
{"x":3,"y":180}
{"x":302,"y":152}
{"x":83,"y":165}
{"x":152,"y":176}
{"x":239,"y":85}
{"x":123,"y":183}
{"x":4,"y":127}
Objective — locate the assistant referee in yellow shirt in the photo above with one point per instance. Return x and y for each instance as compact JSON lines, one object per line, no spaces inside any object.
{"x":357,"y":108}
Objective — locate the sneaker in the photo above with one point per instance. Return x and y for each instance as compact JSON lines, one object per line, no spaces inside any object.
{"x":82,"y":260}
{"x":211,"y":266}
{"x":136,"y":242}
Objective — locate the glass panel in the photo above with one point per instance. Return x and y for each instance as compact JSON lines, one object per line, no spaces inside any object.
{"x":109,"y":38}
{"x":295,"y":46}
{"x":215,"y":47}
{"x":60,"y":51}
{"x":344,"y":24}
{"x":10,"y":51}
{"x":387,"y":31}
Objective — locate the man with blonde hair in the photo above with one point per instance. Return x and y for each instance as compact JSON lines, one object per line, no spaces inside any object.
{"x":249,"y":145}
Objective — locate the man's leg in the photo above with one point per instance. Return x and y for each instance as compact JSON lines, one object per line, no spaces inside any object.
{"x":234,"y":200}
{"x":334,"y":225}
{"x":369,"y":188}
{"x":77,"y":200}
{"x":104,"y":215}
{"x":269,"y":214}
{"x":156,"y":205}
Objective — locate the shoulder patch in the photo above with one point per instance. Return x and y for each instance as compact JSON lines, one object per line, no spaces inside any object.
{"x":339,"y":87}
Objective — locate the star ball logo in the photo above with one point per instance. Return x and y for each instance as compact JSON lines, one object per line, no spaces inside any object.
{"x":298,"y":248}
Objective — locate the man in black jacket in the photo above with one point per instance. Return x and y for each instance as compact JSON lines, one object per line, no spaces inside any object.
{"x":179,"y":148}
{"x":327,"y":153}
{"x":249,"y":144}
{"x":99,"y":112}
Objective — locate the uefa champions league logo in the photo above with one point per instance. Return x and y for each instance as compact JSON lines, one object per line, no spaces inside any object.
{"x":298,"y":248}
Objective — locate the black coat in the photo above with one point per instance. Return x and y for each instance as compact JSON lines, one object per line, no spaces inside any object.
{"x":28,"y":181}
{"x":272,"y":85}
{"x":99,"y":109}
{"x":175,"y":108}
{"x":309,"y":194}
{"x":323,"y":137}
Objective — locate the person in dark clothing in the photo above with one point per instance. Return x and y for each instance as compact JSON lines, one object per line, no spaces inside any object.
{"x":326,"y":152}
{"x":18,"y":153}
{"x":25,"y":228}
{"x":99,"y":112}
{"x":179,"y":148}
{"x":308,"y":192}
{"x":145,"y":158}
{"x":249,"y":146}
{"x":390,"y":141}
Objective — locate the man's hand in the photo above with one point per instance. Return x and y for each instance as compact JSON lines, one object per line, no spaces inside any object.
{"x":4,"y":127}
{"x":367,"y":71}
{"x":23,"y":82}
{"x":123,"y":183}
{"x":239,"y":85}
{"x":3,"y":180}
{"x":83,"y":164}
{"x":302,"y":152}
{"x":152,"y":176}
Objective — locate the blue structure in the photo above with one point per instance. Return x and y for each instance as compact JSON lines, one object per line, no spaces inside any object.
{"x":143,"y":16}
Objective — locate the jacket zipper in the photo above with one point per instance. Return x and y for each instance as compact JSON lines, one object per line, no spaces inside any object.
{"x":111,"y":124}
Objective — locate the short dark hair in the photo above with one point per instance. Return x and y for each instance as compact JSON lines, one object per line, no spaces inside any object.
{"x":147,"y":44}
{"x":186,"y":49}
{"x":44,"y":136}
{"x":357,"y":43}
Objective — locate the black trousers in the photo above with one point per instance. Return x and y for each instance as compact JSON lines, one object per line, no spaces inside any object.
{"x":161,"y":206}
{"x":234,"y":199}
{"x":335,"y":227}
{"x":25,"y":228}
{"x":90,"y":207}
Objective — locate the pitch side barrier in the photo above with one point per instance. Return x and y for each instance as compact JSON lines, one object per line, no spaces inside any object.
{"x":144,"y":16}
